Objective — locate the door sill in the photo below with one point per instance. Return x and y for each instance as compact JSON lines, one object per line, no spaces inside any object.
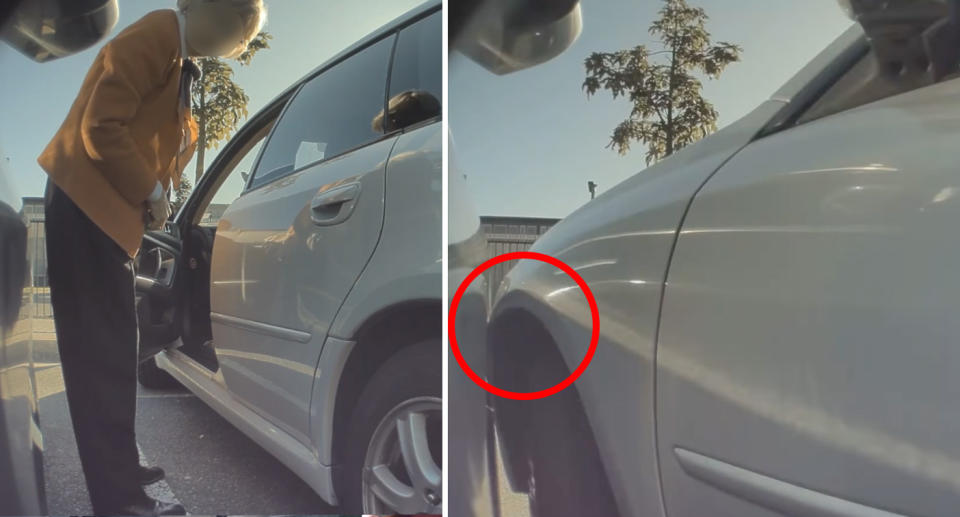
{"x":297,"y":457}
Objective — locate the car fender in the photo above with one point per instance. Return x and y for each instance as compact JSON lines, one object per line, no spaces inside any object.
{"x":620,"y":244}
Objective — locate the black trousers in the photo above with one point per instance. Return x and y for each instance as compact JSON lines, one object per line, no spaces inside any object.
{"x":92,"y":292}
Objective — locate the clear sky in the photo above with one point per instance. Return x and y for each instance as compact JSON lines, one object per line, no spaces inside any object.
{"x":529,"y":142}
{"x":35,"y":98}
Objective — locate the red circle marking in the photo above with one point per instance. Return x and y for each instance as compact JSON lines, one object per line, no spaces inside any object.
{"x":594,"y":335}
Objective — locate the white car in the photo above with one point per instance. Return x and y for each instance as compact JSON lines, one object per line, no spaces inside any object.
{"x":778,"y":306}
{"x":308,"y":313}
{"x":21,"y":443}
{"x":42,"y":30}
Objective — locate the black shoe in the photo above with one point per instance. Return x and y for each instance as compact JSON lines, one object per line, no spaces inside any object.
{"x":150,"y":475}
{"x":151,"y":508}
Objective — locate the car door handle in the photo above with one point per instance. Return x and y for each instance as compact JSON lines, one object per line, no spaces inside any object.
{"x":334,"y":206}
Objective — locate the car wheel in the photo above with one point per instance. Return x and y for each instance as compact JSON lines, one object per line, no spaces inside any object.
{"x":151,"y":376}
{"x":394,"y":461}
{"x":566,"y":475}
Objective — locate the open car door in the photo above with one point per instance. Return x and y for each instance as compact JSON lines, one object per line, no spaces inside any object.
{"x":159,"y":287}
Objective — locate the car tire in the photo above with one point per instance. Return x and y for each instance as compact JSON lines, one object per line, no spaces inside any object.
{"x":566,"y":475}
{"x":151,"y":376}
{"x":411,"y":380}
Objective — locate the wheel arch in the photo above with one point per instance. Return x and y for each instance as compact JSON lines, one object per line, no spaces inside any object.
{"x":378,"y":338}
{"x":518,"y":338}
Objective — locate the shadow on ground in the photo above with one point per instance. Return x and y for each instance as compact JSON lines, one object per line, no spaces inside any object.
{"x":212,"y":468}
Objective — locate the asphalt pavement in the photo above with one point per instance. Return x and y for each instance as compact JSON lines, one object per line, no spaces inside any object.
{"x":212,"y":468}
{"x":512,"y":504}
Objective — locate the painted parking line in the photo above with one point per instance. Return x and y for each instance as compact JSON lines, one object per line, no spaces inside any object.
{"x":159,"y":490}
{"x":166,"y":396}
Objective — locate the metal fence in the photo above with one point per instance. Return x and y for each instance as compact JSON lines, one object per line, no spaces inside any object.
{"x":507,"y":235}
{"x":499,"y":246}
{"x":37,"y":256}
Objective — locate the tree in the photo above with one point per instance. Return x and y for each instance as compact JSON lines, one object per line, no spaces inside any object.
{"x":180,"y":195}
{"x":219,"y":103}
{"x":669,"y":111}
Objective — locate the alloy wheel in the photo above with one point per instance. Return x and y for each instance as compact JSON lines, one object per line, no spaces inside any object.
{"x":402,"y":468}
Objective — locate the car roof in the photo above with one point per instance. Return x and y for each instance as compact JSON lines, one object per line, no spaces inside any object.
{"x":421,"y":11}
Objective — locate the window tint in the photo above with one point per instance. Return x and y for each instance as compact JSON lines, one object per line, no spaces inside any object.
{"x":233,"y":182}
{"x":334,"y":112}
{"x":416,"y":78}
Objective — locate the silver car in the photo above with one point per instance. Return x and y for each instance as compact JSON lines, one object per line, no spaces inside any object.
{"x":42,"y":30}
{"x":298,"y":290}
{"x":777,"y":306}
{"x":21,"y":443}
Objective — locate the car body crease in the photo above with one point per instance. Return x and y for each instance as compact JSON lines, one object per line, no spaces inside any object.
{"x":663,"y":293}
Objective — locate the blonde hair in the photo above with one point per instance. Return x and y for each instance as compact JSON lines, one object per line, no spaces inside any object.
{"x":252,"y":15}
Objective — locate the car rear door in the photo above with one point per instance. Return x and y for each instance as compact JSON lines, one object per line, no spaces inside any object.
{"x":288,"y":251}
{"x":807,"y":357}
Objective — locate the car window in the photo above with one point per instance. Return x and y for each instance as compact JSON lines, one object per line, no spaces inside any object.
{"x":232,"y":186}
{"x":332,"y":113}
{"x":863,"y":83}
{"x":416,"y":78}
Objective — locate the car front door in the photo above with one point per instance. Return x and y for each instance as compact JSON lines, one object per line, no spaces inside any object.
{"x":290,"y":248}
{"x":807,"y":356}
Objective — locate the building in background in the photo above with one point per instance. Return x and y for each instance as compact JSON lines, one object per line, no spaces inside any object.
{"x":33,"y":217}
{"x":506,"y":235}
{"x":213,"y":213}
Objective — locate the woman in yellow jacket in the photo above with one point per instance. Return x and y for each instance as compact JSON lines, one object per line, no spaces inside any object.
{"x":124,"y":143}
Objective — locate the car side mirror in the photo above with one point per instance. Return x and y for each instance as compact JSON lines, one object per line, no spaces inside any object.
{"x":44,"y":30}
{"x":505,"y":36}
{"x":911,"y":36}
{"x":245,"y":175}
{"x":406,"y":109}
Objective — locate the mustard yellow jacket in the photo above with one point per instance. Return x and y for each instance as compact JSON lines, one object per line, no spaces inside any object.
{"x":125,"y":129}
